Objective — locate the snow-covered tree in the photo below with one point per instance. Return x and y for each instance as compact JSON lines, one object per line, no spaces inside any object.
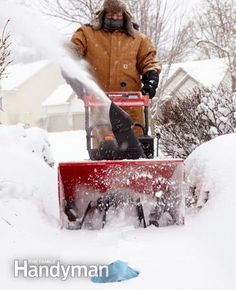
{"x":194,"y":119}
{"x":215,"y":32}
{"x":4,"y":51}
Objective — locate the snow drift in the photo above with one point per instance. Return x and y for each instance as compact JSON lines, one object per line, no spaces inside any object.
{"x":25,"y":172}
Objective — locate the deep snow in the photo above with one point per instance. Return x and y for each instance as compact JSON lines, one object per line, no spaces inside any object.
{"x":199,"y":255}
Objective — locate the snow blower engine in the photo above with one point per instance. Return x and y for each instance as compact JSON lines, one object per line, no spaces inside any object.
{"x":122,"y":184}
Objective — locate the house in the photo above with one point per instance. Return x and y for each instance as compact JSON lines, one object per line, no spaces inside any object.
{"x":23,"y":92}
{"x":183,"y":77}
{"x":1,"y":104}
{"x":64,"y":111}
{"x":35,"y":94}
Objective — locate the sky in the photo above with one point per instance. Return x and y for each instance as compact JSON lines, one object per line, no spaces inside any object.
{"x":184,"y":5}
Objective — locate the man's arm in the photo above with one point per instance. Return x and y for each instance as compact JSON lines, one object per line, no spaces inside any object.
{"x":147,"y":57}
{"x":77,"y":49}
{"x":80,"y":42}
{"x":149,"y":67}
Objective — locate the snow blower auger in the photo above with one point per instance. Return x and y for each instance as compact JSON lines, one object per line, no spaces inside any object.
{"x":122,"y":184}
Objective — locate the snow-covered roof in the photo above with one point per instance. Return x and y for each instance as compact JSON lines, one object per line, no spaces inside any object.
{"x":19,"y":73}
{"x":64,"y":95}
{"x":60,"y":96}
{"x":208,"y":72}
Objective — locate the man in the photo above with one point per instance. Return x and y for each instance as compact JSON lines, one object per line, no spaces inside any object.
{"x":117,"y":52}
{"x":120,"y":58}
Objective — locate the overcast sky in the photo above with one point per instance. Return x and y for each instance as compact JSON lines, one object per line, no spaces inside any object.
{"x":186,"y":6}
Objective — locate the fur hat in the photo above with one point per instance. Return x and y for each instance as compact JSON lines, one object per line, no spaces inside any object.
{"x":114,"y":6}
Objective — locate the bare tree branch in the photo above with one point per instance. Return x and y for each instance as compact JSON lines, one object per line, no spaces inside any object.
{"x":4,"y":51}
{"x":215,"y":32}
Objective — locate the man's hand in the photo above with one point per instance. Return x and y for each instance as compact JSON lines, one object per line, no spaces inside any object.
{"x":150,"y":82}
{"x":149,"y":89}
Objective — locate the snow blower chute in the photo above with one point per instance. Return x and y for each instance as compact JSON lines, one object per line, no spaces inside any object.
{"x":122,"y":184}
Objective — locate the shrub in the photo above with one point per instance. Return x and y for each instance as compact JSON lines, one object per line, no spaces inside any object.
{"x":195,"y":118}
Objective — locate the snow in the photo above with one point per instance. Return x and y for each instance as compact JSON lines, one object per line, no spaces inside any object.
{"x":211,"y":168}
{"x":51,"y":44}
{"x":208,"y":72}
{"x":69,"y":146}
{"x":60,"y":96}
{"x":199,"y":255}
{"x":20,"y":73}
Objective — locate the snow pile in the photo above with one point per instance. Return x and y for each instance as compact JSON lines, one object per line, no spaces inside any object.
{"x":210,"y":169}
{"x":24,"y":174}
{"x":32,"y":140}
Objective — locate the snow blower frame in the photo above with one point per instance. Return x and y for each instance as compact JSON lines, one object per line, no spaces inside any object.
{"x":139,"y":192}
{"x":105,"y":150}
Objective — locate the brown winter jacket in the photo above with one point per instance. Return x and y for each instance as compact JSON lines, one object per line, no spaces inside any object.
{"x":116,"y":56}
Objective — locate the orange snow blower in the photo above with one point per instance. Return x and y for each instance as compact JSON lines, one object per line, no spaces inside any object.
{"x":121,"y":185}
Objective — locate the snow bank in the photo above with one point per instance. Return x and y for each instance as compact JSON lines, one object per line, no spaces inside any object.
{"x":32,"y":140}
{"x":211,"y":170}
{"x":25,"y":173}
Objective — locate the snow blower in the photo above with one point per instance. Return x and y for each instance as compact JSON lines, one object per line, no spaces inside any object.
{"x":122,"y":184}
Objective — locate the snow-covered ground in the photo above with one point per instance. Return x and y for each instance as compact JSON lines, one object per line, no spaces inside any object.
{"x":199,"y":255}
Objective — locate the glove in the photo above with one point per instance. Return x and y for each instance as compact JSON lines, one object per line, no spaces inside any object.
{"x":150,"y":82}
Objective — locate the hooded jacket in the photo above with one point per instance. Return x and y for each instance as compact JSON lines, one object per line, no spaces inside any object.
{"x":116,"y":56}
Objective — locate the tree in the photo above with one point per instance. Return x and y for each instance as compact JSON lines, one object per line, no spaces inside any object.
{"x":71,"y":11}
{"x":215,"y":32}
{"x":4,"y":51}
